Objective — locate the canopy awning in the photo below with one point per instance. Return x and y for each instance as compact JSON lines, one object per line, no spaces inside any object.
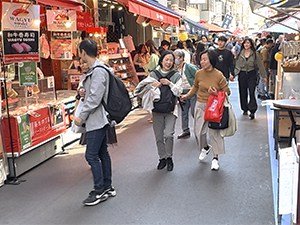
{"x":290,"y":4}
{"x":212,"y":27}
{"x":67,"y":4}
{"x":152,"y":10}
{"x":254,"y":4}
{"x":289,"y":25}
{"x":193,"y":27}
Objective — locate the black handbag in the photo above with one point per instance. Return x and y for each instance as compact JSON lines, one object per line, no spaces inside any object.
{"x":224,"y":121}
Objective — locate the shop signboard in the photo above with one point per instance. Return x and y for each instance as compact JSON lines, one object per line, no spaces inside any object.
{"x":16,"y":16}
{"x":227,"y":21}
{"x":24,"y":131}
{"x":27,"y":73}
{"x":61,"y":45}
{"x":61,"y":20}
{"x":20,"y":46}
{"x":20,"y":31}
{"x":84,"y":20}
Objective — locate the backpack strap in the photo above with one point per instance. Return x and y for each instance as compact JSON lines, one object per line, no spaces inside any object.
{"x":170,"y":74}
{"x":109,"y":75}
{"x":103,"y":67}
{"x":157,"y":73}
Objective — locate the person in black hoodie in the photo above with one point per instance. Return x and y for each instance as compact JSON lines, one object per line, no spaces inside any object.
{"x":225,"y":62}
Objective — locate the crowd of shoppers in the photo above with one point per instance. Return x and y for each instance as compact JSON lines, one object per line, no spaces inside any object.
{"x":178,"y":81}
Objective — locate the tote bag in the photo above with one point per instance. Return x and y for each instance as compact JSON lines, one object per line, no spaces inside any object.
{"x":78,"y":108}
{"x":215,"y":107}
{"x":232,"y":123}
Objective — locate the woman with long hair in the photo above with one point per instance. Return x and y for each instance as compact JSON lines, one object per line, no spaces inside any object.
{"x":153,"y":58}
{"x":248,"y":65}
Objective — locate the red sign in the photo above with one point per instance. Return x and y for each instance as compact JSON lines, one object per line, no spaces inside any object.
{"x":84,"y":20}
{"x":41,"y":129}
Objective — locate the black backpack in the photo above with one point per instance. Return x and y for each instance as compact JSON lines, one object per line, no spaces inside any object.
{"x":118,"y":103}
{"x":167,"y":101}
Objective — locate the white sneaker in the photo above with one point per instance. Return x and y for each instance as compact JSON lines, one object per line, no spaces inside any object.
{"x":204,"y":153}
{"x":215,"y":164}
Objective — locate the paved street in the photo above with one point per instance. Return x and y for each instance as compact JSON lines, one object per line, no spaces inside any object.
{"x":240,"y":193}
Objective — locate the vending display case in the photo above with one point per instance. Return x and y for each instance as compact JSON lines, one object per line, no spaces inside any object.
{"x":33,"y":124}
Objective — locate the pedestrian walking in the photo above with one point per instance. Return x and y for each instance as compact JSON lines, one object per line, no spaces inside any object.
{"x":93,"y":115}
{"x":248,"y":66}
{"x":165,"y":110}
{"x":187,"y":72}
{"x":225,"y":62}
{"x":208,"y":81}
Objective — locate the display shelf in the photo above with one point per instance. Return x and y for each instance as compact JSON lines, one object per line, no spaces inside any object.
{"x":123,"y":67}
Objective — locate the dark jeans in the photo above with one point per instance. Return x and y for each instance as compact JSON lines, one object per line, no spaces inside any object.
{"x":98,"y":158}
{"x":247,"y":84}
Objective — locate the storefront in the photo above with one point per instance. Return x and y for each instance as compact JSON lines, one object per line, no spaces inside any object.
{"x":194,"y":29}
{"x":35,"y":111}
{"x":145,"y":15}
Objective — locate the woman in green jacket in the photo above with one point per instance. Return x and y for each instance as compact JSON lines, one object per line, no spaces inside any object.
{"x":248,"y":65}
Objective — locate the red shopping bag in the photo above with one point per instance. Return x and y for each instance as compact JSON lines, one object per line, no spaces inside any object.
{"x":215,"y":107}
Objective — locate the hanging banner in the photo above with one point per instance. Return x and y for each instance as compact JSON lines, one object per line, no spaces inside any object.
{"x":227,"y":21}
{"x":20,"y":46}
{"x":27,"y":73}
{"x":84,"y":20}
{"x":61,"y":20}
{"x":61,"y":45}
{"x":16,"y":16}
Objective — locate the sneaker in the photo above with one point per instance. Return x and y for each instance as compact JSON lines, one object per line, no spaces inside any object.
{"x":95,"y":197}
{"x":162,"y":164}
{"x":170,"y":164}
{"x":185,"y":134}
{"x":215,"y":164}
{"x":110,"y":191}
{"x":204,"y":153}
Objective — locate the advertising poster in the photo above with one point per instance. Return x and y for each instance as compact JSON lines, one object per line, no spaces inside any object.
{"x":61,"y":45}
{"x":20,"y":46}
{"x":56,"y":114}
{"x":61,"y":20}
{"x":27,"y":73}
{"x":20,"y":30}
{"x":24,"y":131}
{"x":50,"y":82}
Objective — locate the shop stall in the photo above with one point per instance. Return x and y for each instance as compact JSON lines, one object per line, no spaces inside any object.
{"x":34,"y":114}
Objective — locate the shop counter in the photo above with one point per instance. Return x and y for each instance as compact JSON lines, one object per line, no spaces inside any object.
{"x":292,"y":106}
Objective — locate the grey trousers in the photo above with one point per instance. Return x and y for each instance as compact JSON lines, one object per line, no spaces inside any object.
{"x":164,"y":129}
{"x":185,"y":108}
{"x":202,"y":132}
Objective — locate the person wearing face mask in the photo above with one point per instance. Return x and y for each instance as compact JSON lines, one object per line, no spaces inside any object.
{"x":187,"y":72}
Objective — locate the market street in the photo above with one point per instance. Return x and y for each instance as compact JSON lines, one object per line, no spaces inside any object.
{"x":240,"y":193}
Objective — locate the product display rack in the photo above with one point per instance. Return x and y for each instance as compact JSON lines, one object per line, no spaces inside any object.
{"x":124,"y":68}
